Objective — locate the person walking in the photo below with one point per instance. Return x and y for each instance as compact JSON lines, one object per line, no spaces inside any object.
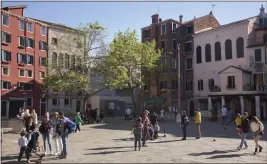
{"x":257,"y":132}
{"x":137,"y":131}
{"x":45,"y":129}
{"x":78,"y":122}
{"x":184,"y":123}
{"x":56,"y":134}
{"x":224,"y":115}
{"x":145,"y":122}
{"x":245,"y":130}
{"x":162,"y":114}
{"x":197,"y":120}
{"x":64,"y":134}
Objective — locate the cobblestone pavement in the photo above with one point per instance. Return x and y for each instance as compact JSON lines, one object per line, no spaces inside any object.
{"x":112,"y":143}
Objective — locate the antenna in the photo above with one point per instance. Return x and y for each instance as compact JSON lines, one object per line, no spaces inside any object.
{"x":212,"y":7}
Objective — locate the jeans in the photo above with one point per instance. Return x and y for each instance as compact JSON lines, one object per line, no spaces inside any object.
{"x":64,"y":138}
{"x":243,"y":140}
{"x":58,"y":143}
{"x":144,"y":136}
{"x":184,"y":130}
{"x":137,"y":138}
{"x":47,"y":136}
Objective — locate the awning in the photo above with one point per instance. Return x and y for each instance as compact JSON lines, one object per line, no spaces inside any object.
{"x":154,"y":100}
{"x":17,"y":99}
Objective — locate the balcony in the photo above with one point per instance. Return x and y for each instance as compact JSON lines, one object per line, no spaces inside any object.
{"x":215,"y":88}
{"x":259,"y":88}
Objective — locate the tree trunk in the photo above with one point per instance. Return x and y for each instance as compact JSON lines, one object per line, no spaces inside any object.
{"x":133,"y":100}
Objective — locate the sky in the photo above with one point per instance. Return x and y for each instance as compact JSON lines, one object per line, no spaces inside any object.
{"x":119,"y":16}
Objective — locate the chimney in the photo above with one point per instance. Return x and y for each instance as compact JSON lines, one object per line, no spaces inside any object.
{"x":155,"y":18}
{"x":181,"y":18}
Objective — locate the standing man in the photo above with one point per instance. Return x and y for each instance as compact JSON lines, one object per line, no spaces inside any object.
{"x":197,"y":120}
{"x":184,"y":123}
{"x":64,"y":134}
{"x":224,"y":115}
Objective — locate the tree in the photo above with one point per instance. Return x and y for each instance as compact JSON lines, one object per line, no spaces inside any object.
{"x":125,"y":59}
{"x":78,"y":44}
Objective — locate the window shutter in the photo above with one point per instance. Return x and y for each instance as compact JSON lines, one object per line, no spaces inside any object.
{"x":18,"y":58}
{"x":40,"y":45}
{"x":31,"y":60}
{"x":3,"y":38}
{"x":32,"y":43}
{"x":9,"y":56}
{"x":198,"y":85}
{"x":229,"y":81}
{"x":9,"y":38}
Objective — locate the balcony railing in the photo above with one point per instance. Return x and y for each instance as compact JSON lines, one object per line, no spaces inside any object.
{"x":249,"y":87}
{"x":215,"y":88}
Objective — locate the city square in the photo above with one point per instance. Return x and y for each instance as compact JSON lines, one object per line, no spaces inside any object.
{"x":112,"y":143}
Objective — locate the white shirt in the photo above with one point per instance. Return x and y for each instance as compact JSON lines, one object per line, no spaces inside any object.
{"x":162,"y":113}
{"x":224,"y":111}
{"x":256,"y":127}
{"x":128,"y":111}
{"x":23,"y":141}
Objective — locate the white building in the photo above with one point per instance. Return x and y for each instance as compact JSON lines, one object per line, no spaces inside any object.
{"x":226,"y":61}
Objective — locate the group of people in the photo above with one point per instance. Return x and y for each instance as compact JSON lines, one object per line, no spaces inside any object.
{"x":90,"y":116}
{"x":57,"y":127}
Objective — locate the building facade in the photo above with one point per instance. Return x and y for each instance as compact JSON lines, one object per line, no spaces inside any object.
{"x":24,"y":50}
{"x":225,"y":69}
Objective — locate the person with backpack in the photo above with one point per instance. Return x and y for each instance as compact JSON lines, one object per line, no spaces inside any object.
{"x":137,"y":131}
{"x":184,"y":123}
{"x":67,"y":126}
{"x":45,"y":129}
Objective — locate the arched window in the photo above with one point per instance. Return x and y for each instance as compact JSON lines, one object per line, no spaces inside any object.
{"x":208,"y":53}
{"x":228,"y":49}
{"x":67,"y":61}
{"x":240,"y":47}
{"x":218,"y":55}
{"x":199,"y":55}
{"x":54,"y":60}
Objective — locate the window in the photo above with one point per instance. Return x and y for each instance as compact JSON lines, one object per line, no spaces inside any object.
{"x":174,"y":44}
{"x":240,"y":48}
{"x":6,"y":37}
{"x":42,"y":45}
{"x":199,"y":55}
{"x":163,"y":85}
{"x":29,"y":27}
{"x":54,"y":41}
{"x":22,"y":41}
{"x":42,"y":75}
{"x":29,"y":73}
{"x":61,"y":60}
{"x":67,"y":61}
{"x":218,"y":55}
{"x":189,"y":85}
{"x":21,"y":59}
{"x":174,"y":62}
{"x":174,"y":26}
{"x":189,"y":30}
{"x":29,"y":102}
{"x":72,"y":61}
{"x":208,"y":53}
{"x":188,"y":47}
{"x":200,"y":85}
{"x":189,"y":63}
{"x":29,"y":59}
{"x":66,"y":101}
{"x":163,"y":45}
{"x":265,"y":38}
{"x":231,"y":82}
{"x":6,"y":56}
{"x":163,"y":59}
{"x":163,"y":28}
{"x":146,"y":34}
{"x":5,"y":71}
{"x":258,"y":55}
{"x":26,"y":86}
{"x":43,"y":61}
{"x":174,"y":84}
{"x":22,"y":25}
{"x":211,"y":82}
{"x":43,"y":30}
{"x":263,"y":22}
{"x":228,"y":49}
{"x":5,"y":20}
{"x":55,"y":101}
{"x":54,"y":60}
{"x":6,"y":84}
{"x":30,"y":42}
{"x":79,"y":61}
{"x":21,"y":73}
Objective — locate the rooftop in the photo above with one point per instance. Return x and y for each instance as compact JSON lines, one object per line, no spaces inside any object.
{"x":15,"y":7}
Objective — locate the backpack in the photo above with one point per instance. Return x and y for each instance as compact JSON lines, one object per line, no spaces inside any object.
{"x":71,"y":126}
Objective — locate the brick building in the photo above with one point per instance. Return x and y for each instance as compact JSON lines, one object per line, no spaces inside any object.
{"x":163,"y":82}
{"x":23,"y":61}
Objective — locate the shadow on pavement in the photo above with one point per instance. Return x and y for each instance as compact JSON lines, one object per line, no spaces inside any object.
{"x":124,"y":139}
{"x":213,"y":152}
{"x":228,"y":156}
{"x":107,"y":148}
{"x":9,"y":157}
{"x":109,"y":152}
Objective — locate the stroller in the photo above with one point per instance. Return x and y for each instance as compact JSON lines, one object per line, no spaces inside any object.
{"x":31,"y":147}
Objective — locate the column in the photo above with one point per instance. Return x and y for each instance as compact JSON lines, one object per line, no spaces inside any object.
{"x":223,"y":101}
{"x":258,"y":106}
{"x":209,"y":107}
{"x":265,"y":111}
{"x":242,"y":104}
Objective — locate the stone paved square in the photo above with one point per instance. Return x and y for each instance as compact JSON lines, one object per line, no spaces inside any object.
{"x":110,"y":143}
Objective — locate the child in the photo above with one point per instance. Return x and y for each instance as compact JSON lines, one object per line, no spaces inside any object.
{"x":137,"y":131}
{"x":238,"y":122}
{"x":156,"y":130}
{"x":150,"y":132}
{"x":23,"y":142}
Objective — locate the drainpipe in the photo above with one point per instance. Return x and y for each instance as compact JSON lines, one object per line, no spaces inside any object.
{"x":179,"y":78}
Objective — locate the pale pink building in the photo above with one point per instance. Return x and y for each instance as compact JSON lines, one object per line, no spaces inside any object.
{"x":230,"y":68}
